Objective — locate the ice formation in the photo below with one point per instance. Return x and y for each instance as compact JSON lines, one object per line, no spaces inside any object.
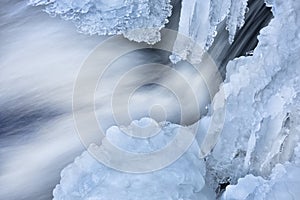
{"x":199,"y":20}
{"x":262,"y":100}
{"x":110,"y":17}
{"x":87,"y":178}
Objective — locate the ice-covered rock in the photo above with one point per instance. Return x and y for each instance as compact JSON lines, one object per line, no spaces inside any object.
{"x":110,"y":17}
{"x":87,"y":178}
{"x":262,"y":98}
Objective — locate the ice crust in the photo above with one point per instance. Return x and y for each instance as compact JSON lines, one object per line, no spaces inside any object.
{"x":110,"y":17}
{"x":87,"y":178}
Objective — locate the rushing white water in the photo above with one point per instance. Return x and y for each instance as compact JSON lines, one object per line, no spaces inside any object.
{"x":39,"y":60}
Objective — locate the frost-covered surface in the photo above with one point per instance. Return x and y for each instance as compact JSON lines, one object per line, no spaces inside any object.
{"x":262,"y":118}
{"x":199,"y":20}
{"x":86,"y":178}
{"x":110,"y":17}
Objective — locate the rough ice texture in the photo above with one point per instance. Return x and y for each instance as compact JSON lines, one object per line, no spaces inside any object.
{"x":110,"y":17}
{"x":199,"y":20}
{"x":262,"y":98}
{"x":282,"y":184}
{"x":150,"y":35}
{"x":86,"y":178}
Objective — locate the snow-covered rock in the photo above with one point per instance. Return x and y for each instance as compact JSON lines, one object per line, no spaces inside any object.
{"x":87,"y":178}
{"x":262,"y":98}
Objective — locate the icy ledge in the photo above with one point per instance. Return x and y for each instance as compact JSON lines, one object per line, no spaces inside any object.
{"x":141,"y":20}
{"x":110,"y":17}
{"x":86,"y":178}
